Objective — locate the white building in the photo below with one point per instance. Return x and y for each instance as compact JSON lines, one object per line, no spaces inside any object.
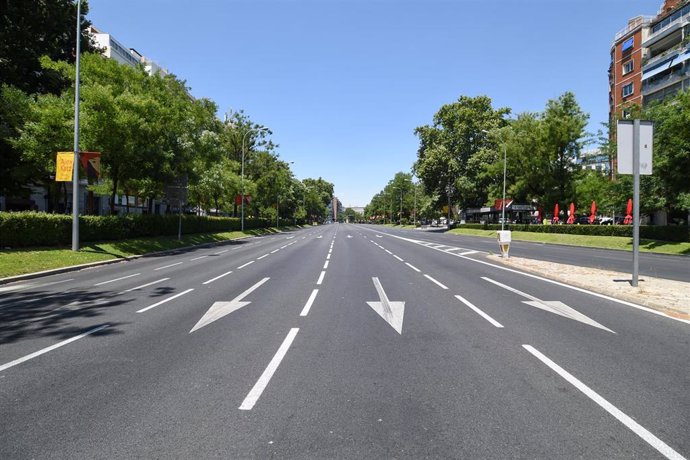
{"x":115,"y":50}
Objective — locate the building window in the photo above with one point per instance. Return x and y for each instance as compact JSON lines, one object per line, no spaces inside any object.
{"x":628,"y":90}
{"x":628,"y":44}
{"x":628,"y":67}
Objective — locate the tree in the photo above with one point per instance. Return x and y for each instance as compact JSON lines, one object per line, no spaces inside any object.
{"x":452,"y":151}
{"x":28,"y":31}
{"x":672,"y":148}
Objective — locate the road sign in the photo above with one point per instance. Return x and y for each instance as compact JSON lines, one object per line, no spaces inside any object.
{"x":625,"y":146}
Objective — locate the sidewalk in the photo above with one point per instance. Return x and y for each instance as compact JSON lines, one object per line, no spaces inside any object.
{"x":667,"y":296}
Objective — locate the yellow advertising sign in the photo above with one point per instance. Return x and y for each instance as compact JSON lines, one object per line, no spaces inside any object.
{"x":64,"y":166}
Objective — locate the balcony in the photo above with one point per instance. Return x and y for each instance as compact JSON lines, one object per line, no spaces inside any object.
{"x":660,"y":83}
{"x":666,"y":55}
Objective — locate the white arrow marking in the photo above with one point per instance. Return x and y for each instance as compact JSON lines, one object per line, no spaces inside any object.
{"x":391,"y":312}
{"x":220,"y":309}
{"x":349,"y":236}
{"x":553,"y":306}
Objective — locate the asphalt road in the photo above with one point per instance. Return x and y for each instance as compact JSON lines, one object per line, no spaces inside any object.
{"x":673,"y":267}
{"x":338,"y":341}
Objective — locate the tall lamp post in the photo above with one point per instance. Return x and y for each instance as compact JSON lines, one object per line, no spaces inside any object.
{"x":258,"y":130}
{"x":75,"y":167}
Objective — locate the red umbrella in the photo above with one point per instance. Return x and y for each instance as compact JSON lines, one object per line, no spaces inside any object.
{"x":628,"y":218}
{"x":555,"y":214}
{"x":593,"y":212}
{"x":571,"y":213}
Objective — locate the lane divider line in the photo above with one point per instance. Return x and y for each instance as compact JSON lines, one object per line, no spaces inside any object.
{"x":413,"y":267}
{"x":144,"y":285}
{"x":217,"y":278}
{"x":263,"y":256}
{"x":165,"y":300}
{"x":631,"y":424}
{"x":197,"y":258}
{"x":242,"y":266}
{"x":478,"y":311}
{"x":399,"y":258}
{"x":323,"y":273}
{"x":441,"y":285}
{"x":258,"y":389}
{"x":117,"y":279}
{"x":167,"y":266}
{"x":220,"y":252}
{"x":50,"y":348}
{"x":310,"y":302}
{"x":325,"y":265}
{"x":274,"y":251}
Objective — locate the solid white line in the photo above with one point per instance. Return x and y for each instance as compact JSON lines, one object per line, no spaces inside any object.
{"x":263,"y":256}
{"x":274,"y":251}
{"x":167,"y":266}
{"x":564,"y":285}
{"x":467,"y":253}
{"x":220,"y":252}
{"x":261,"y":384}
{"x":440,"y":284}
{"x":144,"y":285}
{"x":325,"y":266}
{"x":413,"y":267}
{"x":197,"y":258}
{"x":164,"y":301}
{"x":635,"y":427}
{"x":478,"y":311}
{"x":323,"y":273}
{"x":217,"y":278}
{"x":117,"y":279}
{"x":242,"y":266}
{"x":399,"y":258}
{"x":310,"y":302}
{"x":50,"y":348}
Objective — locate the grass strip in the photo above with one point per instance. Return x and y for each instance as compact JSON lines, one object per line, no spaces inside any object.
{"x":31,"y":260}
{"x":602,"y":242}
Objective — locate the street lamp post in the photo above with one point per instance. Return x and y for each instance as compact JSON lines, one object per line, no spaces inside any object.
{"x":75,"y":170}
{"x":258,"y":130}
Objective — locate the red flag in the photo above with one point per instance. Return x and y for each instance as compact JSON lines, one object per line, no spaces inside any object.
{"x":628,"y":218}
{"x":555,"y":214}
{"x":593,"y":213}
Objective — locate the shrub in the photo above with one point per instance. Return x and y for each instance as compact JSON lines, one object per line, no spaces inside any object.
{"x":22,"y":229}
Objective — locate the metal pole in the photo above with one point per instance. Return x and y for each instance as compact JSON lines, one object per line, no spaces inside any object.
{"x":242,"y":181}
{"x":415,"y":205}
{"x":179,"y":220}
{"x":401,"y":193}
{"x":505,"y":157}
{"x":277,"y":211}
{"x":636,"y":202}
{"x":75,"y":172}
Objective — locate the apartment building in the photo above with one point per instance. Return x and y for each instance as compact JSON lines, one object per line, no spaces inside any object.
{"x":625,"y":70}
{"x":650,"y":59}
{"x":666,"y":67}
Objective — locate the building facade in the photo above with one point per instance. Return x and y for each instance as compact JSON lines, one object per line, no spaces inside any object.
{"x":650,"y":59}
{"x":666,"y":69}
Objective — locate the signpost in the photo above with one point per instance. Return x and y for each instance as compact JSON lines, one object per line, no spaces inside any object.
{"x":635,"y":140}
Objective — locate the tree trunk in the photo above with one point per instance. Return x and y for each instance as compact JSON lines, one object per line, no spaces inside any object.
{"x":112,"y":196}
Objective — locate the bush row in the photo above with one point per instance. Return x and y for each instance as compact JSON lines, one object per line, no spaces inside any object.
{"x":670,"y":233}
{"x":22,"y":229}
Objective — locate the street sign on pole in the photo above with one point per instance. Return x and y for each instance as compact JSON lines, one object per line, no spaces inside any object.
{"x":635,"y":139}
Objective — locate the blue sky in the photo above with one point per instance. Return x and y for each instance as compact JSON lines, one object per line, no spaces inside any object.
{"x":343,"y":83}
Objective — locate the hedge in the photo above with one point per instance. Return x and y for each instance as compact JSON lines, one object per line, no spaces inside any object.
{"x":22,"y":229}
{"x":672,"y":233}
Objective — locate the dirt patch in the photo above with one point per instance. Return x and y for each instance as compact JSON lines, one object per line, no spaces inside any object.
{"x":668,"y":296}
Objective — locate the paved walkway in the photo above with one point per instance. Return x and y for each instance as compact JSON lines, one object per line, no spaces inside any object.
{"x":670,"y":297}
